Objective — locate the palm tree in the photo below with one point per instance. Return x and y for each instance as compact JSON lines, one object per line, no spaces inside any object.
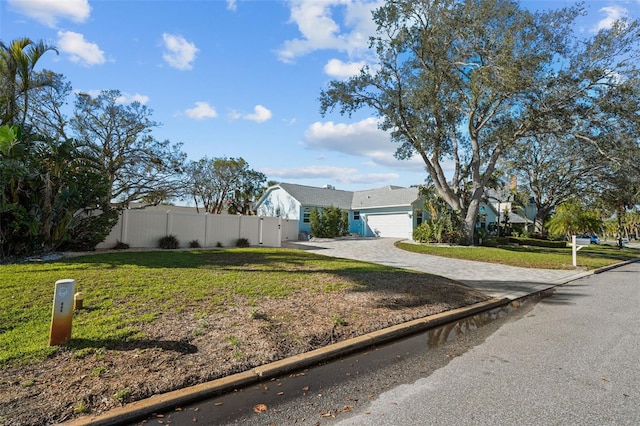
{"x":572,"y":218}
{"x":17,"y":63}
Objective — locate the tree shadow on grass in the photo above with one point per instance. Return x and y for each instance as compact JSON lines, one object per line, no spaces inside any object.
{"x":180,"y":346}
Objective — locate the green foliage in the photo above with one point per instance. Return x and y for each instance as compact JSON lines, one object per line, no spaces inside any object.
{"x":442,"y":224}
{"x":224,"y":183}
{"x":81,"y":407}
{"x":537,"y":242}
{"x":121,"y":246}
{"x":194,"y":244}
{"x":169,"y":242}
{"x":573,"y":218}
{"x":330,"y":223}
{"x":122,"y":395}
{"x":423,"y":233}
{"x":490,"y":242}
{"x":48,"y":191}
{"x":338,"y":321}
{"x":243,"y":242}
{"x":492,"y":68}
{"x":87,"y":231}
{"x":136,"y":166}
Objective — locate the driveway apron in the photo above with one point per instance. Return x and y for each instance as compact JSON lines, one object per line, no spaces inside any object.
{"x":493,"y":279}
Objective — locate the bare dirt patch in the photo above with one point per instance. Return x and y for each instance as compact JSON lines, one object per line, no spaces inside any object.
{"x":186,"y":348}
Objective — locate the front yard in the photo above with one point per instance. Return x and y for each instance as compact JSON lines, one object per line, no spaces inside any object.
{"x":158,"y":321}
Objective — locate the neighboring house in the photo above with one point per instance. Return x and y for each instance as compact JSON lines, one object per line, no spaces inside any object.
{"x":520,"y":216}
{"x":391,"y":211}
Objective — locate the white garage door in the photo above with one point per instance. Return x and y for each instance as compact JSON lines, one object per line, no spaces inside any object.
{"x":390,"y":225}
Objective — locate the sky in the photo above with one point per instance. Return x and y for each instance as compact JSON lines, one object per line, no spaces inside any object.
{"x":241,"y":78}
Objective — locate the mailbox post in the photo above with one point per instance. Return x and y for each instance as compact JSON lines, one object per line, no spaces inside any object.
{"x":62,"y":315}
{"x":576,"y":244}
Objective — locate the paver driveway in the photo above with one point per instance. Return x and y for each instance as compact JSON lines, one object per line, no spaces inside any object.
{"x":493,"y":279}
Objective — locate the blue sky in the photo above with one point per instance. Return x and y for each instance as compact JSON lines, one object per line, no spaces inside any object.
{"x":239,"y":78}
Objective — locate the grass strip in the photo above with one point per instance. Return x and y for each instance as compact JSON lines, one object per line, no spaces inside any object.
{"x":592,"y":257}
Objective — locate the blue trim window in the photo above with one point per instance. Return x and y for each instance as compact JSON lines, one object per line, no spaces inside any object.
{"x":356,"y":215}
{"x":306,"y":215}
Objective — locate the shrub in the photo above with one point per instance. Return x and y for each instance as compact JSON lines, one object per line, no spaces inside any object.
{"x":219,"y":244}
{"x":537,"y":243}
{"x":330,"y":223}
{"x":423,"y":233}
{"x":85,"y":233}
{"x":121,"y":246}
{"x":242,"y":242}
{"x":194,"y":244}
{"x":495,"y":241}
{"x":168,"y":242}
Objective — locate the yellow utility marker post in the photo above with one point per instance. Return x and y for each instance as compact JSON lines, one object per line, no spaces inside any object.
{"x":62,"y":315}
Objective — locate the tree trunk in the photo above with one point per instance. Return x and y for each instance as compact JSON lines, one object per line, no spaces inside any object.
{"x":541,"y":215}
{"x":469,"y":224}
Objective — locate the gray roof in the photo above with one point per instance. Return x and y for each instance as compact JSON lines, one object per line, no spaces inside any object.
{"x":322,"y":197}
{"x":385,"y":197}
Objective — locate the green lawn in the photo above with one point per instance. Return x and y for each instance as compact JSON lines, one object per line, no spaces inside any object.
{"x":592,"y":257}
{"x":127,"y":289}
{"x":123,"y":290}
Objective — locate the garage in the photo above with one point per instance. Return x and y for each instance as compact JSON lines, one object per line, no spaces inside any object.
{"x":398,"y":225}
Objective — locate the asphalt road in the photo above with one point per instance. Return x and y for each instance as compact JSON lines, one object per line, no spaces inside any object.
{"x":570,"y":358}
{"x":573,"y":359}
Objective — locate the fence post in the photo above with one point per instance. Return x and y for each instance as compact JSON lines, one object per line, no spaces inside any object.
{"x":206,"y":228}
{"x":260,"y":225}
{"x":168,"y":224}
{"x":124,"y":226}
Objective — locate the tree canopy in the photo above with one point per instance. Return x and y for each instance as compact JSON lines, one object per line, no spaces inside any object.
{"x":219,"y":184}
{"x":137,"y":166}
{"x":467,"y":81}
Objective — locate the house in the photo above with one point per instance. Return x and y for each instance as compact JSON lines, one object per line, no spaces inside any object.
{"x":391,"y":211}
{"x":521,"y":217}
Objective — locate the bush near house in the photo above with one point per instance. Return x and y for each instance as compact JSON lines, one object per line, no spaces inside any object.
{"x":330,"y":223}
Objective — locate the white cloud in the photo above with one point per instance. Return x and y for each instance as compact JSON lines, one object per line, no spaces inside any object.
{"x":260,"y":114}
{"x":127,"y":98}
{"x":343,"y":70}
{"x":343,"y":175}
{"x":320,"y":30}
{"x":329,"y":172}
{"x":613,"y":13}
{"x":179,"y":53}
{"x":231,"y":5}
{"x":361,"y":139}
{"x":49,"y":12}
{"x":124,"y":98}
{"x":79,"y":50}
{"x":201,"y":111}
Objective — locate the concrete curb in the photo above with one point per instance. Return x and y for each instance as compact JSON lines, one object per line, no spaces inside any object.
{"x":158,"y":403}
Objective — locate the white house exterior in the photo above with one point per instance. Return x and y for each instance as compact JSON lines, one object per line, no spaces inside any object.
{"x":391,"y":211}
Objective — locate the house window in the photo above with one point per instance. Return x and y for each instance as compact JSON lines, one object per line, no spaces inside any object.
{"x":356,"y":215}
{"x":418,"y":217}
{"x":306,"y":215}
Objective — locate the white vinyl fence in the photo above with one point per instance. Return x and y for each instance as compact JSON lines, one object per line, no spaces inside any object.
{"x":143,"y":228}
